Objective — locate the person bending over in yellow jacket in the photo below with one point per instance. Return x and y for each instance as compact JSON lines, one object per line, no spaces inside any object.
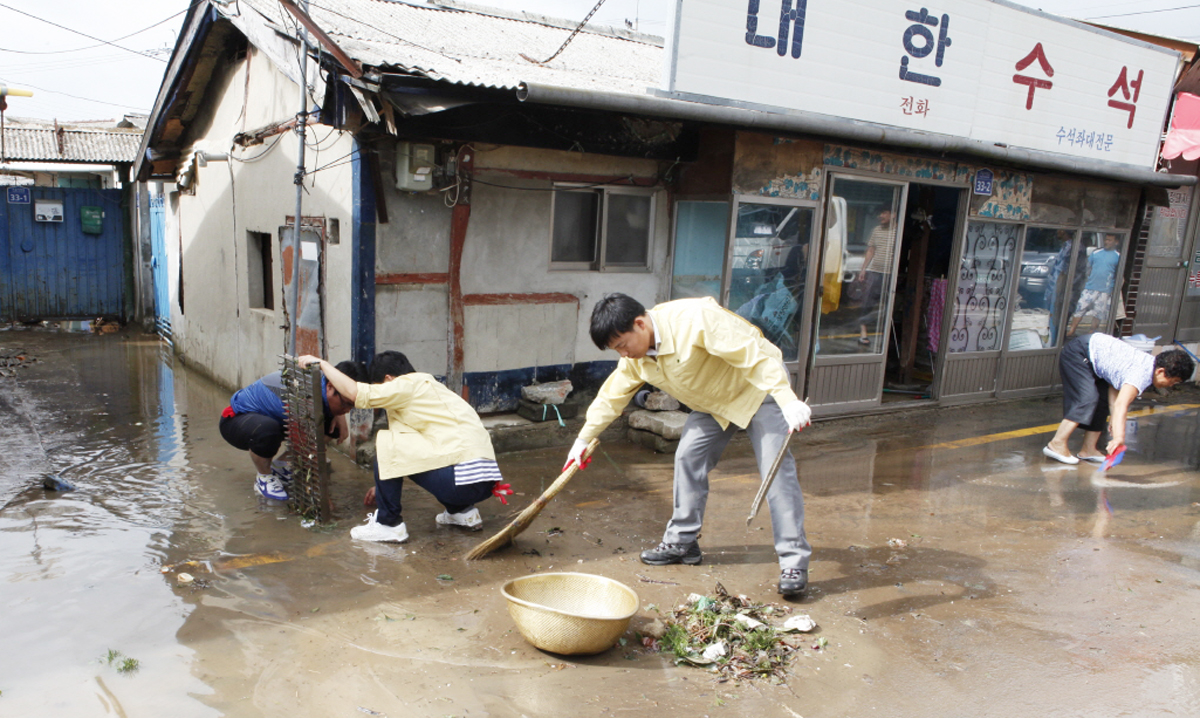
{"x":433,"y":437}
{"x":722,"y":367}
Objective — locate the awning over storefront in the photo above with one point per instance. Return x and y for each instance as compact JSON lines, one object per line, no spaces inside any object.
{"x":1184,"y":136}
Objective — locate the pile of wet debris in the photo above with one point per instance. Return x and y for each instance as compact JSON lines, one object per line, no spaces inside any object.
{"x":11,"y":361}
{"x":735,"y":637}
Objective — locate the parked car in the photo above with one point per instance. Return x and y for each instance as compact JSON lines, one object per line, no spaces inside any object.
{"x":1036,"y":268}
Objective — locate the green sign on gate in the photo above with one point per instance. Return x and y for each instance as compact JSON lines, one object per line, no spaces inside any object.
{"x":92,"y":219}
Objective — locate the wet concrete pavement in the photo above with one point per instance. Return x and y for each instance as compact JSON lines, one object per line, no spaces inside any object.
{"x":1011,"y":586}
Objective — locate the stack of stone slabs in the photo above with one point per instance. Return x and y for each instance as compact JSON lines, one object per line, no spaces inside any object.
{"x":308,"y":494}
{"x":659,"y":425}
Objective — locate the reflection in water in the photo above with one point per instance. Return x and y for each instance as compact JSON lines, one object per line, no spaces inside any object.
{"x":1042,"y":288}
{"x":858,"y":267}
{"x":81,"y":567}
{"x":1092,"y":301}
{"x":1103,"y":514}
{"x":770,"y":269}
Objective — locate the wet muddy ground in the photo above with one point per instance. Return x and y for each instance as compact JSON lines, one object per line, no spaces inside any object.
{"x":956,"y":572}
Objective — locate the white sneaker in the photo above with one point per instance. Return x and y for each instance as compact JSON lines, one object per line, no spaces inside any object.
{"x":372,"y":530}
{"x":270,"y":487}
{"x":466,"y":519}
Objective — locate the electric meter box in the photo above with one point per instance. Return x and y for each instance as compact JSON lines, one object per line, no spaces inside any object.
{"x":414,"y":167}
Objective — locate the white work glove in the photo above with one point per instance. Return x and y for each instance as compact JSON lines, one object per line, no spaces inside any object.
{"x":576,"y":455}
{"x":797,"y":415}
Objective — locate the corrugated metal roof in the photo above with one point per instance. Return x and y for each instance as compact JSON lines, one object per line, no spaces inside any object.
{"x":475,"y":47}
{"x":68,"y":145}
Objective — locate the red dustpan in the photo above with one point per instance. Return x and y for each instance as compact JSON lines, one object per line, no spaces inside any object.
{"x":1116,"y":457}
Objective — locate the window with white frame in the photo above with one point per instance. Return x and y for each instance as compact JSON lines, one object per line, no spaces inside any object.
{"x":602,"y":229}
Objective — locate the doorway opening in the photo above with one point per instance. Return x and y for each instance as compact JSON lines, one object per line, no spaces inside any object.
{"x":922,"y":283}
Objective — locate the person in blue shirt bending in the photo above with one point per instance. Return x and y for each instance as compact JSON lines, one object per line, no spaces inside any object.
{"x":1096,"y":299}
{"x":255,"y":421}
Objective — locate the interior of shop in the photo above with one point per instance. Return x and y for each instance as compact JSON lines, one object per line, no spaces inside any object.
{"x":922,"y":278}
{"x":884,"y":298}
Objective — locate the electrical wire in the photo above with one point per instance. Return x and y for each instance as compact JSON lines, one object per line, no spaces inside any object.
{"x":75,"y":97}
{"x":1144,"y":12}
{"x":84,"y":34}
{"x":92,"y":47}
{"x":260,"y":155}
{"x":344,"y":159}
{"x":316,"y":146}
{"x":377,"y":29}
{"x":578,"y":29}
{"x":628,"y":180}
{"x":61,"y":64}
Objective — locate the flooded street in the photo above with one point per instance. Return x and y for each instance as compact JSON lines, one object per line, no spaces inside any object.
{"x":956,"y":571}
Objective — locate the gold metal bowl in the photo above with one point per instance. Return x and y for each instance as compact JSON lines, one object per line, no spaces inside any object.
{"x":570,"y":613}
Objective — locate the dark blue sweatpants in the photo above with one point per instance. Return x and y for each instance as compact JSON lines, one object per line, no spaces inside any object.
{"x":439,"y":482}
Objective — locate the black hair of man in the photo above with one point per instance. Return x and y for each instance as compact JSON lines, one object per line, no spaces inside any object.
{"x":1176,"y":364}
{"x":613,"y":315}
{"x":355,"y":370}
{"x":389,"y":363}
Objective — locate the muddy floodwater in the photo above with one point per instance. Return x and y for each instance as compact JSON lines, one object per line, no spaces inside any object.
{"x":956,"y":572}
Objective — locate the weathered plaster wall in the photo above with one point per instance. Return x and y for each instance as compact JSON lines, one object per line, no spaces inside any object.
{"x":412,"y":317}
{"x":217,"y":330}
{"x":516,"y":333}
{"x":508,"y":249}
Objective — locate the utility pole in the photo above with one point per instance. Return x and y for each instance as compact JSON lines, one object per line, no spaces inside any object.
{"x":301,"y":120}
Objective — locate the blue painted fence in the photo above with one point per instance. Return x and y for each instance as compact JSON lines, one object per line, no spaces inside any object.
{"x":55,"y":270}
{"x":158,"y":265}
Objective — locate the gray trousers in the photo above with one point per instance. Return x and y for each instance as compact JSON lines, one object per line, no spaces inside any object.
{"x":701,"y":445}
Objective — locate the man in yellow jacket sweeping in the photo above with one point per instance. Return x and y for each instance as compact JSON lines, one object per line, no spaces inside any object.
{"x":722,"y":367}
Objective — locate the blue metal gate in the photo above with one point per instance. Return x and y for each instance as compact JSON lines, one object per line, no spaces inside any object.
{"x":50,"y":267}
{"x":158,"y":265}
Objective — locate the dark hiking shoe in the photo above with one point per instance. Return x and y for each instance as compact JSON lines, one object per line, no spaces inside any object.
{"x":668,"y":553}
{"x":793,"y":581}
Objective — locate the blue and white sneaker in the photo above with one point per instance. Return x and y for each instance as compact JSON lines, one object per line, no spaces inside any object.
{"x":269,"y":486}
{"x":282,"y":470}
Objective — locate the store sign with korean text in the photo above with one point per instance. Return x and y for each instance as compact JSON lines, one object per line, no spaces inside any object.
{"x":992,"y":72}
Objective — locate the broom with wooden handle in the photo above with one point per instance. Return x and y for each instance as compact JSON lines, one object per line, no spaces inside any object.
{"x":526,"y":517}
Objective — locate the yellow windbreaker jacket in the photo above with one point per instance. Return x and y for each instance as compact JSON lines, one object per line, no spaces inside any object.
{"x":429,"y":426}
{"x":709,"y":358}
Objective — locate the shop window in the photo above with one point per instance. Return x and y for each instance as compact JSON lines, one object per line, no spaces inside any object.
{"x":1168,"y":226}
{"x":862,"y":221}
{"x":1095,"y":288}
{"x":258,"y":271}
{"x":985,"y":275}
{"x":1042,"y":288}
{"x":769,"y":270}
{"x":602,"y":229}
{"x":700,"y":229}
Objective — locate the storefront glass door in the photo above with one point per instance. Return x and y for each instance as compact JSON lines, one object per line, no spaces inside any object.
{"x":769,"y":270}
{"x":1162,"y":285}
{"x":1042,"y":288}
{"x":987,"y":270}
{"x":858,"y":270}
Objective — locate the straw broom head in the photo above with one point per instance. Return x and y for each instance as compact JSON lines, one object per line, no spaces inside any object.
{"x":526,"y":517}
